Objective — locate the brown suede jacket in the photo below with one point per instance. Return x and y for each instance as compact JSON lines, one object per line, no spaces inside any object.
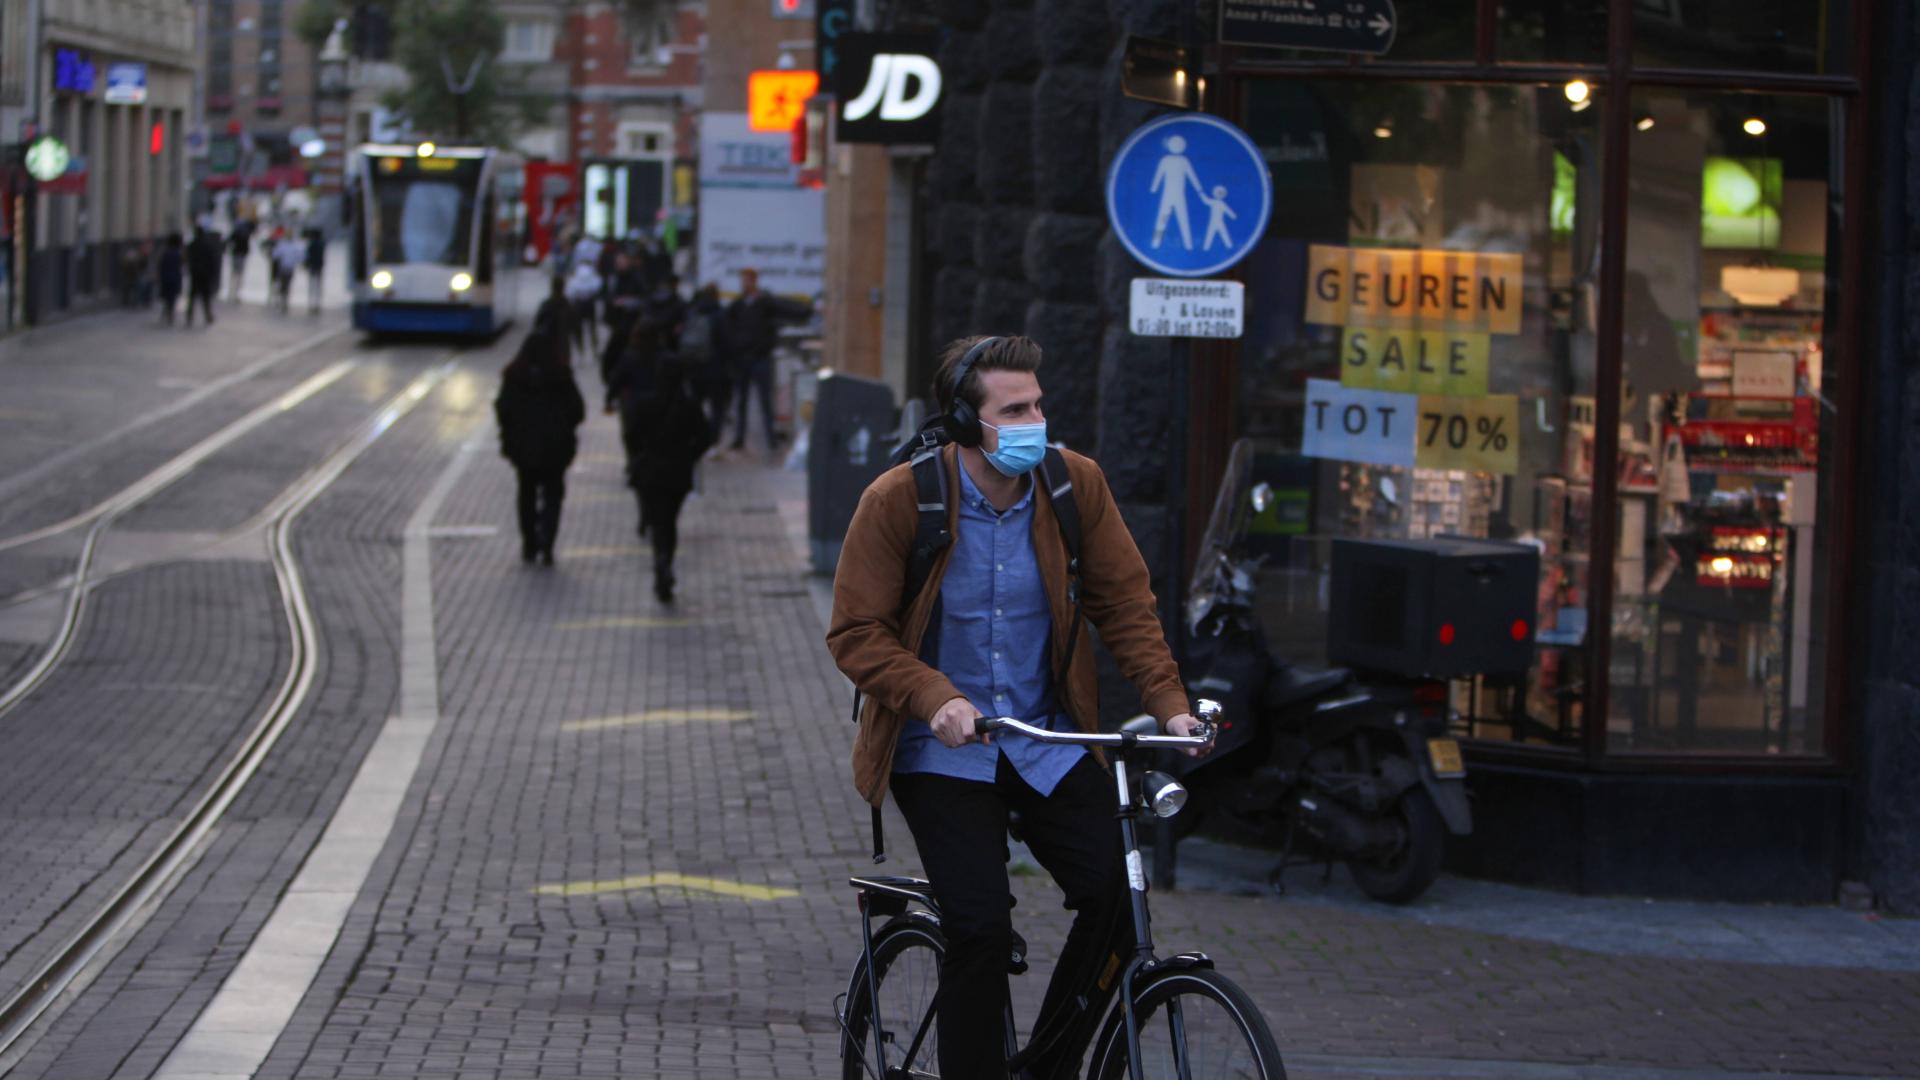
{"x":877,"y":644}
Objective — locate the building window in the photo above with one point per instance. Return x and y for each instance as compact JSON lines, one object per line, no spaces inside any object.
{"x":650,"y":44}
{"x":641,"y":139}
{"x":528,"y":42}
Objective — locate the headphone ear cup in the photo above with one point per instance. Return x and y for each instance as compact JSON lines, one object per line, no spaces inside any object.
{"x":964,"y":425}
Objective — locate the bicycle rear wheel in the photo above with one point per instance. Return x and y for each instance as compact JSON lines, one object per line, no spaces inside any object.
{"x":1194,"y":1023}
{"x":906,"y":959}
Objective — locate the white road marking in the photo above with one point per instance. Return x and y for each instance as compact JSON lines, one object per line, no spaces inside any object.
{"x":233,"y":1036}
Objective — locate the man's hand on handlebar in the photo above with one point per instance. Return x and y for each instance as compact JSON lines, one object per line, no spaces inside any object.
{"x":1185,"y":724}
{"x":953,"y":725}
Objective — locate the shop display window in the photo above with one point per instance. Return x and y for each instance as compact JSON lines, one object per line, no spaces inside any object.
{"x":1718,"y":614}
{"x":1800,"y":37}
{"x":1420,"y":357}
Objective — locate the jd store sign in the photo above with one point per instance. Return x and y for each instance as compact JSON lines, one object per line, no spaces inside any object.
{"x":888,"y":87}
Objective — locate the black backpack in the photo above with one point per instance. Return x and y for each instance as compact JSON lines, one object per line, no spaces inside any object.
{"x":931,"y":537}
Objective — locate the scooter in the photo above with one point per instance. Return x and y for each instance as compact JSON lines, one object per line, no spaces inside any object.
{"x":1336,"y":764}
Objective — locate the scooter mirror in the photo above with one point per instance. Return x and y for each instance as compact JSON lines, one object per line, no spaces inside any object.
{"x":1262,"y":497}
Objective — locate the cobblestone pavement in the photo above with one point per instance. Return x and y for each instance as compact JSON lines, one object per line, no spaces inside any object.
{"x":625,"y":848}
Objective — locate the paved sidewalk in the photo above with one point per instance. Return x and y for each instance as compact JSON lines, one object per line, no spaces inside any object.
{"x":625,"y":853}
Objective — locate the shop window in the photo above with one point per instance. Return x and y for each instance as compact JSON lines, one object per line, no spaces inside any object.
{"x":1553,"y":31}
{"x":1726,"y":411}
{"x":1794,"y":36}
{"x":1433,"y":250}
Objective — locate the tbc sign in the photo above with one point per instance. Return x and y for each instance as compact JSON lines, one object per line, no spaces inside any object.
{"x":126,"y":84}
{"x":889,"y":89}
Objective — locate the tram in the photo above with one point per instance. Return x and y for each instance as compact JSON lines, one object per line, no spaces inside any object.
{"x":431,"y":247}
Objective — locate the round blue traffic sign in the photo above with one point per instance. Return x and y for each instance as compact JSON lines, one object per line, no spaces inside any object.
{"x":1189,"y":194}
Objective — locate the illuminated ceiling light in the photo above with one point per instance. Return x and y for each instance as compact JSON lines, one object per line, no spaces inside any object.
{"x":1722,"y":565}
{"x":1760,"y":286}
{"x":1582,"y":106}
{"x":425,"y":150}
{"x":1753,"y":125}
{"x":1578,"y":91}
{"x":1644,"y":123}
{"x":1384,"y":131}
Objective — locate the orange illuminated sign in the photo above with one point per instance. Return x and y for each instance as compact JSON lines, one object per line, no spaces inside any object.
{"x":777,"y":99}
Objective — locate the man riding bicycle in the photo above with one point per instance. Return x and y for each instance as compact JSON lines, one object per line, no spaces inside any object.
{"x":993,"y":631}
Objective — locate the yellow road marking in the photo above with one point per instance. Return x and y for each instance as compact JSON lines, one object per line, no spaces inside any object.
{"x":668,"y":880}
{"x":624,"y":622}
{"x":659,"y":716}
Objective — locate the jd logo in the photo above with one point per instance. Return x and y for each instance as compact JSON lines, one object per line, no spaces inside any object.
{"x":888,"y":84}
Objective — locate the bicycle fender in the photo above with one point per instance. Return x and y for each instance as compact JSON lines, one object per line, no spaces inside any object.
{"x":1186,"y":961}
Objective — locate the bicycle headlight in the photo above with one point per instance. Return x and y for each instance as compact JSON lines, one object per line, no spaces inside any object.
{"x":1164,"y":794}
{"x":381,"y":279}
{"x":461,"y":282}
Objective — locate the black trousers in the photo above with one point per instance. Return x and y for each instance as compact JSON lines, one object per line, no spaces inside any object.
{"x":541,"y":493}
{"x":203,"y":296}
{"x":755,"y":375}
{"x":960,"y":827}
{"x":660,"y":509}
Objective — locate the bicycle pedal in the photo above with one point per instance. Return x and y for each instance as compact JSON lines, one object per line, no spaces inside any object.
{"x":1017,"y":958}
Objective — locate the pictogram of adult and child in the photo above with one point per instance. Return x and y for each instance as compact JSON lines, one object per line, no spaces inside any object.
{"x":1171,"y":179}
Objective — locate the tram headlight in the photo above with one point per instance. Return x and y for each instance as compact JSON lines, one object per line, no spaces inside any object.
{"x":461,"y":282}
{"x":381,"y":279}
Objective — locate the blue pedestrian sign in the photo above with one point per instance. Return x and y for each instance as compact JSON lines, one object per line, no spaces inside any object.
{"x":1189,"y":195}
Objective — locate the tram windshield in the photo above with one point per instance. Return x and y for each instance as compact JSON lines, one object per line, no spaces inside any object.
{"x":423,"y":209}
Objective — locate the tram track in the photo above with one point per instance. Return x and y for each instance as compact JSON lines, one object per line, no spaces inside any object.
{"x":149,"y":883}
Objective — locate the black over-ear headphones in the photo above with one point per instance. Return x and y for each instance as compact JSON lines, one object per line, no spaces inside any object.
{"x":962,"y":422}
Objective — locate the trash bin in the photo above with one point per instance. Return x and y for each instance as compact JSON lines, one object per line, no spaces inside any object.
{"x":853,"y":421}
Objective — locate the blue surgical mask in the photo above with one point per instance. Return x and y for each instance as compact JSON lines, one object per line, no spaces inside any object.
{"x":1021,"y":448}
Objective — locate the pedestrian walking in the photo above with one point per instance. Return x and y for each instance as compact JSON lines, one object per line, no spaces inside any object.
{"x":665,"y":432}
{"x":752,"y":327}
{"x":626,"y":301}
{"x":703,"y":349}
{"x":239,"y":246}
{"x":288,"y":255}
{"x":582,"y":292}
{"x":170,"y":271}
{"x":982,"y":635}
{"x":540,"y":410}
{"x":203,"y":272}
{"x":316,"y":264}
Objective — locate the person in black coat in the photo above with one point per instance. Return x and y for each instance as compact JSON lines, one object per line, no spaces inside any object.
{"x":539,"y":408}
{"x":704,"y":346}
{"x":203,"y":272}
{"x":665,"y":432}
{"x":171,"y":273}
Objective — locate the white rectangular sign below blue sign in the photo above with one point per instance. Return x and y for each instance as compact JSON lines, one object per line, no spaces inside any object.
{"x":126,"y":84}
{"x":1371,"y":426}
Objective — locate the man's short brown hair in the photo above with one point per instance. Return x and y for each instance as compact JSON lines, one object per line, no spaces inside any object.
{"x":1012,"y":353}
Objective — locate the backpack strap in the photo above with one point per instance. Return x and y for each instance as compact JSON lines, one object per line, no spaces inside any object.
{"x":1059,"y":485}
{"x":930,"y":534}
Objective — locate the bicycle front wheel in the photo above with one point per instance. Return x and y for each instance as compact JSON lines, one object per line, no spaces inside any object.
{"x":906,"y":965}
{"x":1195,"y":1024}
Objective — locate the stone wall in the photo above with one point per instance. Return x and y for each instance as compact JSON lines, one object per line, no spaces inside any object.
{"x":1887,"y":588}
{"x":1019,"y":242}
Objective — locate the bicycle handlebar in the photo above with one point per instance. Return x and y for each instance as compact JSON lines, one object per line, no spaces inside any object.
{"x":988,"y":725}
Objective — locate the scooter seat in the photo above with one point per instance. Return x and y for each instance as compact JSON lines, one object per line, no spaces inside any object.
{"x":1291,"y":684}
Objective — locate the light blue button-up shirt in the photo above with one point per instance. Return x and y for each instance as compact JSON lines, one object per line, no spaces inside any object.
{"x":992,"y":636}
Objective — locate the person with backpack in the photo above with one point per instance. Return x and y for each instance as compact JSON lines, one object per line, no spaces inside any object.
{"x":962,"y":584}
{"x":540,"y":410}
{"x":703,"y":349}
{"x":666,"y":433}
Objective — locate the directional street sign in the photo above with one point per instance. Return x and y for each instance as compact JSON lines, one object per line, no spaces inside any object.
{"x":1353,"y":26}
{"x":1189,"y":195}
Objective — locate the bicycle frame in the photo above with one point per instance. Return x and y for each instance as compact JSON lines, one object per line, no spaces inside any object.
{"x":891,"y":896}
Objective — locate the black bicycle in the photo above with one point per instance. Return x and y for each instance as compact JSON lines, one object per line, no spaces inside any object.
{"x":1174,"y":1016}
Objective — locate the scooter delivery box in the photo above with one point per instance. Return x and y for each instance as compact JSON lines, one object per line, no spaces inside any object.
{"x":1443,"y":608}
